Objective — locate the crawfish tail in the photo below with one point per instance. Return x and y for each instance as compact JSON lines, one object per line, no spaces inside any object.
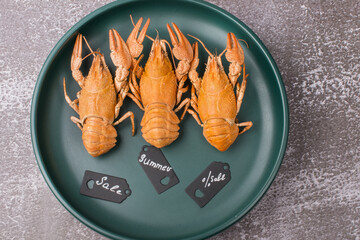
{"x":220,"y":133}
{"x":160,"y":125}
{"x":98,"y":136}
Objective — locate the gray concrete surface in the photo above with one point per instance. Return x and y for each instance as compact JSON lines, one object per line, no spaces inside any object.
{"x":316,"y":45}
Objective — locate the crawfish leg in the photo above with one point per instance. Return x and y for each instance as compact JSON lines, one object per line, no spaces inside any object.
{"x":184,"y":104}
{"x":194,"y":105}
{"x":126,"y":115}
{"x":234,"y":73}
{"x":195,"y":116}
{"x":135,"y":89}
{"x":136,"y":101}
{"x":181,"y":89}
{"x":139,"y":72}
{"x":193,"y":74}
{"x":240,"y":91}
{"x":119,"y":103}
{"x":76,"y":121}
{"x":194,"y":99}
{"x":121,"y":83}
{"x":73,"y":104}
{"x":246,"y":125}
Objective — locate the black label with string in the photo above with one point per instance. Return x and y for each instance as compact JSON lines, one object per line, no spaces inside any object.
{"x":209,"y":183}
{"x":105,"y":187}
{"x":157,"y":168}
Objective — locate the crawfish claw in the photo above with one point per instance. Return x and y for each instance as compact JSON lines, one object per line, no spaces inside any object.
{"x":120,"y":54}
{"x":76,"y":58}
{"x":134,"y":42}
{"x":182,"y":47}
{"x":76,"y":61}
{"x":195,"y":62}
{"x":234,"y":53}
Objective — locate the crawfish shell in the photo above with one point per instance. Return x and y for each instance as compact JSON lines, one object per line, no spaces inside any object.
{"x":98,"y":136}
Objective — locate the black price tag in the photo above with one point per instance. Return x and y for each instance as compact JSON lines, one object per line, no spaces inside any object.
{"x":157,"y":168}
{"x":105,"y":187}
{"x":209,"y":183}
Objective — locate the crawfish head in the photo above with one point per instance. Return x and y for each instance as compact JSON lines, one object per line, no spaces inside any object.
{"x":158,"y":58}
{"x":99,"y":75}
{"x":214,"y":78}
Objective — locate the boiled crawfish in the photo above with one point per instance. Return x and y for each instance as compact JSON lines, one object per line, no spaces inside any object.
{"x":161,"y":89}
{"x":97,"y":103}
{"x":213,"y":97}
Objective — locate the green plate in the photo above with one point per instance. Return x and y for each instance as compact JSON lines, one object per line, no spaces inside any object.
{"x":254,"y":158}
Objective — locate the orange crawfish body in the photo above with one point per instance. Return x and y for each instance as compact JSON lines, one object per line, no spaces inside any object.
{"x":213,"y":97}
{"x":161,"y":88}
{"x":158,"y":89}
{"x":97,"y":103}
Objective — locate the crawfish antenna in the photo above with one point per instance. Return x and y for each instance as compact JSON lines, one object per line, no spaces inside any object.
{"x":157,"y":33}
{"x":222,"y":52}
{"x":150,"y":38}
{"x":202,"y":45}
{"x":92,"y":52}
{"x":247,"y":45}
{"x":132,"y":20}
{"x":168,"y":44}
{"x":137,"y":63}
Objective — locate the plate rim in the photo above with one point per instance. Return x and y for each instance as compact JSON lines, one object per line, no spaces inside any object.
{"x":104,"y":231}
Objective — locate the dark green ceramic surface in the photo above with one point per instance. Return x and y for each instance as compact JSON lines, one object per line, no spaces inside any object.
{"x":254,"y":158}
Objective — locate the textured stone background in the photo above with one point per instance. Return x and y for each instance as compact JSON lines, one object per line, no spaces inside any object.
{"x":316,"y":45}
